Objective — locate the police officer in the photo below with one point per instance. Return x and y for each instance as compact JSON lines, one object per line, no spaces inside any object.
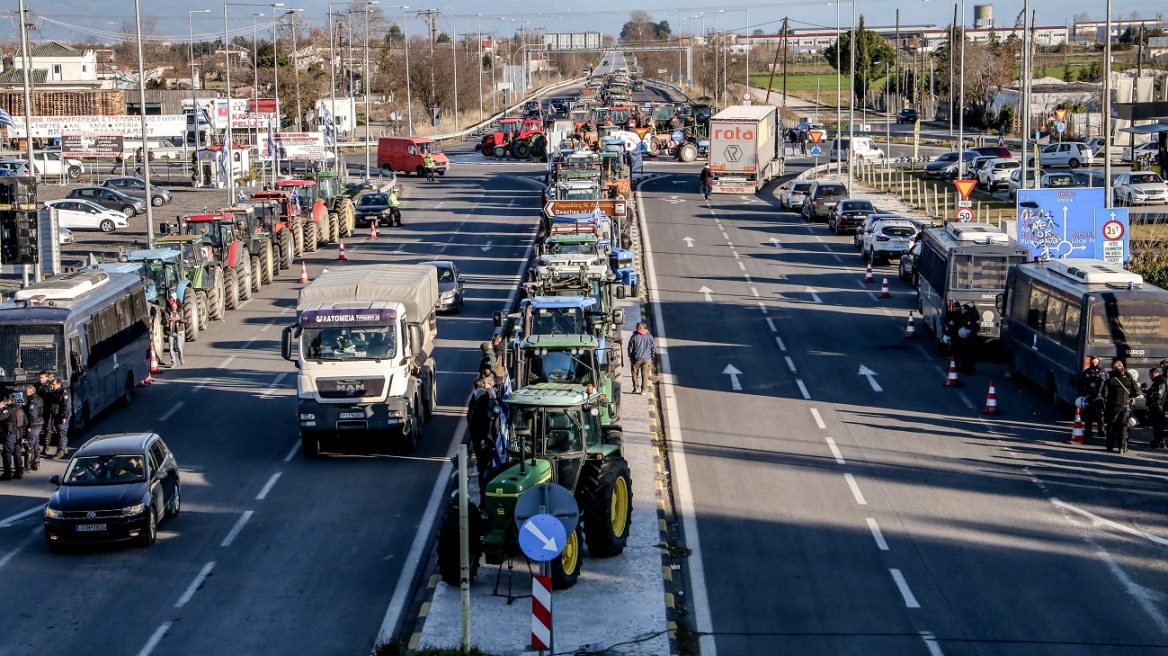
{"x":45,"y":391}
{"x":63,"y":412}
{"x":1155,"y":402}
{"x":1119,"y":393}
{"x":428,"y":163}
{"x":394,"y":210}
{"x":1091,"y":389}
{"x":13,"y":419}
{"x":34,"y":410}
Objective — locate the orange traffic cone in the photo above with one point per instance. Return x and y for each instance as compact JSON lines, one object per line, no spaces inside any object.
{"x":341,"y":253}
{"x":884,"y":293}
{"x":868,"y":274}
{"x":1077,"y":431}
{"x":991,"y":407}
{"x":373,"y":229}
{"x":303,"y":273}
{"x":952,"y":381}
{"x":154,"y":359}
{"x":910,"y":331}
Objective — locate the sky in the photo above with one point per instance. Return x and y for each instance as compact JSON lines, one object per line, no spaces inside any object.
{"x":463,"y":15}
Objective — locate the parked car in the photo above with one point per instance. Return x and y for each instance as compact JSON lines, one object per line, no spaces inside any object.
{"x":1000,"y":152}
{"x":907,"y":269}
{"x":863,"y":147}
{"x":78,"y":214}
{"x":64,"y":236}
{"x":9,"y":166}
{"x":945,"y":166}
{"x":995,"y":174}
{"x":849,"y":214}
{"x":858,"y":237}
{"x":889,"y":238}
{"x":822,"y":199}
{"x":1057,"y":180}
{"x":115,"y":488}
{"x":136,"y":187}
{"x":1140,"y":188}
{"x":110,"y":199}
{"x":791,"y":194}
{"x":1015,"y":182}
{"x":1068,"y":153}
{"x":907,"y":115}
{"x":49,"y":164}
{"x":977,"y":165}
{"x":1098,"y":144}
{"x":1145,"y":149}
{"x":450,"y":285}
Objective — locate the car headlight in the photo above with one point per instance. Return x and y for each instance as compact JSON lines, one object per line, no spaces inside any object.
{"x":449,"y":294}
{"x":53,"y":513}
{"x":136,"y":509}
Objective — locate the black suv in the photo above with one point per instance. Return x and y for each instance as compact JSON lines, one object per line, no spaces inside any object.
{"x":849,"y":215}
{"x":822,"y":199}
{"x":907,"y":115}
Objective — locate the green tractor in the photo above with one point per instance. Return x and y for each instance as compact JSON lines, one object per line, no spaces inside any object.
{"x":250,"y":228}
{"x":217,"y":237}
{"x":584,"y":295}
{"x":575,"y":359}
{"x":196,"y":283}
{"x":554,"y":433}
{"x":339,"y":203}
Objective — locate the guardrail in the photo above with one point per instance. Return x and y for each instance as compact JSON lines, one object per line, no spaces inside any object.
{"x":668,"y":85}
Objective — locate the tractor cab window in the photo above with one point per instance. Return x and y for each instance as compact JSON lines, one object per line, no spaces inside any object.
{"x":209,"y":230}
{"x":160,"y":275}
{"x":581,"y":248}
{"x":559,"y":367}
{"x":558,"y":321}
{"x":564,"y":433}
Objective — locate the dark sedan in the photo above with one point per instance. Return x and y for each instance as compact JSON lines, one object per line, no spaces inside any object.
{"x":115,"y":488}
{"x":110,"y":199}
{"x":907,"y":115}
{"x":136,"y":187}
{"x":374,"y":206}
{"x":849,"y":215}
{"x":449,"y":285}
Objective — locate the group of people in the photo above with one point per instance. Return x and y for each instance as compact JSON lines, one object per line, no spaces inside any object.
{"x":962,"y":323}
{"x":1107,"y":399}
{"x":47,"y":403}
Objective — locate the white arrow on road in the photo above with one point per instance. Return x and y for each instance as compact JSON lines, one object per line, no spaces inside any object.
{"x":688,"y":241}
{"x":488,"y":246}
{"x":814,"y":296}
{"x":871,"y":375}
{"x":674,"y":199}
{"x":680,"y":181}
{"x":748,"y":199}
{"x":706,"y":290}
{"x":549,"y":544}
{"x":734,"y":374}
{"x":775,"y":243}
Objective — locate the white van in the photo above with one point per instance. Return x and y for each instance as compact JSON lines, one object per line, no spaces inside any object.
{"x":865,"y":148}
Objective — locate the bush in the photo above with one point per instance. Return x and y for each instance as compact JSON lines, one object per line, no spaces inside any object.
{"x":1149,"y":261}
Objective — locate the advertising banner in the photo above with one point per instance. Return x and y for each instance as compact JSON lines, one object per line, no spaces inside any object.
{"x":130,"y":127}
{"x":294,"y":146}
{"x":92,"y":145}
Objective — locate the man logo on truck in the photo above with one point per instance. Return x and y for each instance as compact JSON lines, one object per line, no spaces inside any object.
{"x":733,"y":153}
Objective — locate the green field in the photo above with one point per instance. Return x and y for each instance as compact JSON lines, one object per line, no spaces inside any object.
{"x":826,"y":83}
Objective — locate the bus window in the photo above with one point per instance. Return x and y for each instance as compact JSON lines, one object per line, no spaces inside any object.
{"x":1070,"y":337}
{"x":1020,"y":301}
{"x":962,"y":272}
{"x":1056,"y":311}
{"x":1037,"y":316}
{"x":1129,"y":321}
{"x":990,"y":272}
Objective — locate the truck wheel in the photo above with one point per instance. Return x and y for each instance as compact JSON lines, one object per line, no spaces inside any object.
{"x":687,"y":152}
{"x":310,"y":237}
{"x":190,"y":310}
{"x":449,"y":549}
{"x":286,"y":249}
{"x":431,"y":401}
{"x":215,"y":301}
{"x":257,"y":273}
{"x":412,"y":430}
{"x":230,"y":289}
{"x":566,"y":568}
{"x":268,"y":259}
{"x":606,"y":498}
{"x":310,"y":445}
{"x":244,"y":273}
{"x":334,"y":227}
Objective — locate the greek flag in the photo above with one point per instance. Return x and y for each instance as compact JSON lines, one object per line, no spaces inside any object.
{"x":597,"y":215}
{"x":6,"y":118}
{"x":271,"y":140}
{"x":201,"y":115}
{"x":329,"y":124}
{"x":223,"y":154}
{"x":295,"y":198}
{"x":499,"y":457}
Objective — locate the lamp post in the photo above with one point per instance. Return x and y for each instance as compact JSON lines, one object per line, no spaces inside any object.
{"x":1108,"y":199}
{"x":479,"y":66}
{"x":228,"y":142}
{"x":255,"y":64}
{"x":851,"y":99}
{"x":194,"y":102}
{"x":333,"y":83}
{"x":141,"y":116}
{"x":961,"y":98}
{"x":296,"y":71}
{"x":367,"y":84}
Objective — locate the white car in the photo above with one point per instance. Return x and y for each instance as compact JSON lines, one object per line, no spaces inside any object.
{"x":1143,"y":150}
{"x":1140,"y":188}
{"x":84,"y":215}
{"x":64,"y":236}
{"x":996,"y":173}
{"x":50,"y":164}
{"x":864,"y":148}
{"x":888,"y":239}
{"x":791,"y":195}
{"x":1098,"y":146}
{"x":1068,"y":153}
{"x":1015,"y":182}
{"x":873,"y":219}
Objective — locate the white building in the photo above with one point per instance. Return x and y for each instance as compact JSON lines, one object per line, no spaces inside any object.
{"x":912,"y":37}
{"x":55,"y":66}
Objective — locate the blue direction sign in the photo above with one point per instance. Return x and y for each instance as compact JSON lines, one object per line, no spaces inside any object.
{"x":816,"y":151}
{"x":1060,"y":126}
{"x":542,"y":538}
{"x":1058,"y":223}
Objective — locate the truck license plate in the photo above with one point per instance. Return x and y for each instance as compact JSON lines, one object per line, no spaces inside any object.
{"x":352,"y":415}
{"x":82,"y":528}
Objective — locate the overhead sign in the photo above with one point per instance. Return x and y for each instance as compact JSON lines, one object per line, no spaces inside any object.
{"x":1058,"y":223}
{"x":572,"y":41}
{"x":542,"y":537}
{"x":296,"y":146}
{"x":563,"y":207}
{"x":92,"y":145}
{"x":964,"y":215}
{"x":964,"y":187}
{"x":130,"y":127}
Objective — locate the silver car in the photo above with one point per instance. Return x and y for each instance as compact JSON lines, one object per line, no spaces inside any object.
{"x":1140,"y":188}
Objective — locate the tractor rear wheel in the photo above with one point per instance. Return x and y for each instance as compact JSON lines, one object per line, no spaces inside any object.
{"x":297,"y":238}
{"x":268,"y":259}
{"x":244,"y":273}
{"x":284,"y":246}
{"x":449,"y":549}
{"x":157,"y":332}
{"x":215,"y":297}
{"x":687,"y":152}
{"x":230,"y":289}
{"x":348,"y":217}
{"x":566,"y":568}
{"x":310,"y":237}
{"x":190,"y":310}
{"x":204,"y":308}
{"x":520,"y":149}
{"x":257,"y":273}
{"x":606,"y":498}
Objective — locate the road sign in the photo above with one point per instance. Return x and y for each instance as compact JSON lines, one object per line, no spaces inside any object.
{"x":1113,"y":223}
{"x":964,"y":215}
{"x":816,"y":135}
{"x":816,"y":151}
{"x":541,"y":538}
{"x":1068,"y":222}
{"x":549,"y":499}
{"x":964,"y":203}
{"x":746,"y":97}
{"x":1060,"y":126}
{"x":964,"y":187}
{"x":607,"y":207}
{"x":1061,"y":115}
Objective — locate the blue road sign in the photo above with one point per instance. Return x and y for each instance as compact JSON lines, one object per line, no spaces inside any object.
{"x":542,"y":538}
{"x":816,"y":151}
{"x":1112,"y":228}
{"x":1058,"y":223}
{"x":1060,"y":126}
{"x":677,"y":135}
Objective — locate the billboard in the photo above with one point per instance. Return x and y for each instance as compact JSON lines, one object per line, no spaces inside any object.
{"x":245,"y":114}
{"x":89,"y":144}
{"x":572,"y":41}
{"x":1072,"y":222}
{"x":130,"y":127}
{"x":295,"y":146}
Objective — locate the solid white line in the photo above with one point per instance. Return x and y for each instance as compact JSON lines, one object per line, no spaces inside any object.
{"x":803,"y":389}
{"x":9,"y":521}
{"x":268,"y":486}
{"x":877,"y":535}
{"x":909,"y":600}
{"x":155,"y":638}
{"x":771,"y":325}
{"x":236,"y":529}
{"x":194,"y":586}
{"x":790,"y":363}
{"x":855,"y":489}
{"x":818,"y":419}
{"x":931,"y":644}
{"x":173,"y":409}
{"x":292,"y":452}
{"x":782,"y":345}
{"x":835,"y":452}
{"x":703,"y":621}
{"x":1100,"y":521}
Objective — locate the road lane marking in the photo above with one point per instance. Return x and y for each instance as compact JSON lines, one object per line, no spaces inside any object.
{"x":235,"y":530}
{"x":771,"y":325}
{"x":274,"y":384}
{"x":790,"y":363}
{"x":9,"y":521}
{"x":782,"y":345}
{"x":292,"y":452}
{"x":762,"y":306}
{"x":835,"y":452}
{"x":195,"y":585}
{"x":155,"y":638}
{"x":876,"y":534}
{"x":748,"y":279}
{"x":248,"y":343}
{"x":1101,"y":521}
{"x":268,"y":486}
{"x":737,"y":256}
{"x":20,"y":547}
{"x":754,"y":291}
{"x":855,"y":489}
{"x":803,"y":389}
{"x":818,"y":419}
{"x":909,"y":600}
{"x":931,"y":643}
{"x":741,"y":265}
{"x":169,"y":413}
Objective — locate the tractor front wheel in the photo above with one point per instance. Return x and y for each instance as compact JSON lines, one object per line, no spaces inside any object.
{"x":285,"y":247}
{"x":606,"y":498}
{"x":449,"y":549}
{"x":268,"y":259}
{"x":687,"y":152}
{"x":257,"y":273}
{"x":334,"y":227}
{"x":566,"y":568}
{"x":190,"y":310}
{"x":499,"y":151}
{"x":204,"y":308}
{"x":520,"y":149}
{"x":244,"y":273}
{"x":231,"y":289}
{"x":215,"y":298}
{"x":297,"y":238}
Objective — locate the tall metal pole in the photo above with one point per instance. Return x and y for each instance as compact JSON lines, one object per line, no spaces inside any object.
{"x":142,"y":124}
{"x":479,"y":67}
{"x":454,"y":54}
{"x":228,"y":143}
{"x":952,"y":33}
{"x":409,"y":98}
{"x":960,"y":32}
{"x":851,"y":100}
{"x":839,"y":89}
{"x":194,"y":101}
{"x":1024,"y":93}
{"x":747,"y":11}
{"x":296,"y":76}
{"x":255,"y":64}
{"x":341,"y":170}
{"x":1108,"y":199}
{"x":26,"y":65}
{"x":366,"y":84}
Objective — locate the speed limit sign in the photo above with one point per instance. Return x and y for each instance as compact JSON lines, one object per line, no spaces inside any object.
{"x":1113,"y":230}
{"x":964,"y":215}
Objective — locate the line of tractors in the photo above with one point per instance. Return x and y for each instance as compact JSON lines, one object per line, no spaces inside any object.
{"x":215,"y":261}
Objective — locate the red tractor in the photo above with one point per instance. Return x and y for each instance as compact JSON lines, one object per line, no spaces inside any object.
{"x":320,"y":226}
{"x":522,"y":138}
{"x":281,"y":217}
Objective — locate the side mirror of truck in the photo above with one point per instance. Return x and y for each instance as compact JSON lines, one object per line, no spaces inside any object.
{"x":286,"y":343}
{"x":618,"y":316}
{"x":164,"y":228}
{"x":1000,"y":303}
{"x":620,"y":291}
{"x":497,"y":319}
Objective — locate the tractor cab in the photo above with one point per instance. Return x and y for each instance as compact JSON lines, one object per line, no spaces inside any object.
{"x":620,"y":115}
{"x":571,"y":359}
{"x":282,"y":199}
{"x":265,"y":213}
{"x":159,"y":268}
{"x":302,"y":192}
{"x":216,"y":230}
{"x":510,"y":125}
{"x":328,"y":184}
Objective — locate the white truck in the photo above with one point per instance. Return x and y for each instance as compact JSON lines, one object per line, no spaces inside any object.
{"x":745,"y":148}
{"x":363,"y":343}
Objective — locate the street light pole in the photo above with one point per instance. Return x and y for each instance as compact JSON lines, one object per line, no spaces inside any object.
{"x":839,"y":88}
{"x":1108,"y":199}
{"x":142,"y":124}
{"x":194,"y":101}
{"x":228,"y":142}
{"x":851,"y":101}
{"x":367,"y":84}
{"x":255,"y":64}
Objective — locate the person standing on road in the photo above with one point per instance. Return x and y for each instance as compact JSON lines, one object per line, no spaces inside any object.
{"x":394,"y":210}
{"x":176,"y":330}
{"x":1091,"y":390}
{"x":707,"y":181}
{"x":428,"y":163}
{"x":479,"y":414}
{"x":34,"y":410}
{"x":13,"y":418}
{"x":44,"y":389}
{"x":1119,"y":393}
{"x":1155,"y":403}
{"x":803,"y":138}
{"x":642,"y":349}
{"x":64,"y":411}
{"x":500,"y":351}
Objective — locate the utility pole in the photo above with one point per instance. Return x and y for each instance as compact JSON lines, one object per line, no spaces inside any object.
{"x":786,"y":49}
{"x":896,"y":58}
{"x":775,"y":64}
{"x":431,"y":17}
{"x":952,"y":34}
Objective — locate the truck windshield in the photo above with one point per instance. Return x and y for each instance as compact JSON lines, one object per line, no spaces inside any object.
{"x":26,"y":351}
{"x":349,"y":343}
{"x":1129,"y":321}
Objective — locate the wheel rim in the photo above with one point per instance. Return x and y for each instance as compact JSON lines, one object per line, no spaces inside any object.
{"x":128,"y":211}
{"x":107,"y":226}
{"x":570,"y":557}
{"x":177,"y":503}
{"x":620,"y":506}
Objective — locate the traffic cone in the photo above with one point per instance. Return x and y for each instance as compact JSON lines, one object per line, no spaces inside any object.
{"x":154,"y":359}
{"x":341,"y":253}
{"x":910,"y":331}
{"x":303,"y":273}
{"x":373,"y":230}
{"x":884,"y":293}
{"x":1077,"y":431}
{"x":991,"y":407}
{"x":868,"y":274}
{"x":952,"y":381}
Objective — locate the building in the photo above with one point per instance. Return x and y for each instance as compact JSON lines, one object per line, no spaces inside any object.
{"x":55,"y":67}
{"x":912,"y":37}
{"x":1094,"y":31}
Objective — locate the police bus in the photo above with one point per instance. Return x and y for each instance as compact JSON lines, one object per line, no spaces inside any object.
{"x":965,"y":263}
{"x":90,"y":329}
{"x":1060,"y":312}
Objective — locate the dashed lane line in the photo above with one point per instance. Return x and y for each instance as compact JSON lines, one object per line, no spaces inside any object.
{"x":155,"y":638}
{"x":268,"y":486}
{"x":877,"y":534}
{"x":855,"y":488}
{"x":782,"y":345}
{"x":197,"y":583}
{"x":931,"y":643}
{"x":818,"y":419}
{"x":170,"y":413}
{"x":235,"y":530}
{"x":771,"y":325}
{"x":835,"y":452}
{"x":910,"y":601}
{"x":790,"y":363}
{"x":292,"y":451}
{"x":12,"y":519}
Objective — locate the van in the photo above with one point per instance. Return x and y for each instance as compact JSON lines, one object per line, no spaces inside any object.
{"x":407,"y":154}
{"x":863,"y":147}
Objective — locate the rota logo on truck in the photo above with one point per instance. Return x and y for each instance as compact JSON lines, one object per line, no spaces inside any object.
{"x":734,"y":133}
